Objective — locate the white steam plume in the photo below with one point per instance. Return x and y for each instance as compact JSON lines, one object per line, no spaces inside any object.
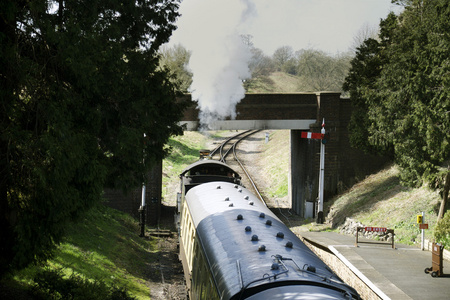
{"x":211,"y":30}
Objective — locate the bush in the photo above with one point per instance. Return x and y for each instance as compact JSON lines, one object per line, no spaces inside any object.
{"x":52,"y":284}
{"x":442,"y":231}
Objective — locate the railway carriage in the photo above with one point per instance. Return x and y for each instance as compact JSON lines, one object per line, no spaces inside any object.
{"x":233,"y":247}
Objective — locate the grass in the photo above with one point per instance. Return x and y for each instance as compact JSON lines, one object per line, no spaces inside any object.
{"x":276,"y":82}
{"x":104,"y":246}
{"x":185,"y":151}
{"x":381,"y":201}
{"x":276,"y":163}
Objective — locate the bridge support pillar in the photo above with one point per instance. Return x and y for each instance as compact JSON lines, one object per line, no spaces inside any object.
{"x":153,"y":194}
{"x":301,"y":184}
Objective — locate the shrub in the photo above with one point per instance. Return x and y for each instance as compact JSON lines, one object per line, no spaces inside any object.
{"x":442,"y":230}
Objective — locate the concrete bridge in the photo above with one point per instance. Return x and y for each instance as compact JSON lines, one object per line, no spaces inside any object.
{"x":296,"y":112}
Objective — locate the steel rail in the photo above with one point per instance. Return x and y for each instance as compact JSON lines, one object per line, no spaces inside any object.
{"x":244,"y":169}
{"x":224,"y":154}
{"x":221,"y":147}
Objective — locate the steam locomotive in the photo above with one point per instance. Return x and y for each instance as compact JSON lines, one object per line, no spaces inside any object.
{"x":233,"y":247}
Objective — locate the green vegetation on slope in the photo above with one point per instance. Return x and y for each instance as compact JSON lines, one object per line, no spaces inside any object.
{"x":381,"y":201}
{"x":276,"y":82}
{"x":103,"y":249}
{"x":275,"y":164}
{"x":185,"y":150}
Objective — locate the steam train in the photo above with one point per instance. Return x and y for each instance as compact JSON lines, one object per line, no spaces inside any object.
{"x":233,"y":247}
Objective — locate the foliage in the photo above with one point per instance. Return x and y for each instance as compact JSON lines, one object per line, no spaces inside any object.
{"x":283,"y":59}
{"x":360,"y":81}
{"x":176,"y":59}
{"x":442,"y":231}
{"x":400,"y":87}
{"x":321,"y":72}
{"x":80,"y":85}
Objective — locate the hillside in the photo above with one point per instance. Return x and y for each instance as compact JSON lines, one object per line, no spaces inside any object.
{"x":102,"y":257}
{"x":379,"y":200}
{"x":276,"y":82}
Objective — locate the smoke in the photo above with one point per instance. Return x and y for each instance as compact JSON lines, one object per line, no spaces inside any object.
{"x":211,"y":30}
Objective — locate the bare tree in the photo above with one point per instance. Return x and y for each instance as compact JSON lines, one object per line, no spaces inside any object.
{"x":365,"y":32}
{"x":282,"y":57}
{"x":320,"y":71}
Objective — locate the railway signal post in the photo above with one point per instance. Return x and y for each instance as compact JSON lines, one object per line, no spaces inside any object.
{"x":142,"y":207}
{"x":142,"y":213}
{"x":320,"y":217}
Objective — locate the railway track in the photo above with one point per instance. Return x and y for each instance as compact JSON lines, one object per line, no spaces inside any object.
{"x":230,"y":146}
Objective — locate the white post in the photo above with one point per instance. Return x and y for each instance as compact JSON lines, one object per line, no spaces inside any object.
{"x":423,"y":232}
{"x":142,"y":208}
{"x":143,"y":196}
{"x":143,"y":184}
{"x":320,"y":217}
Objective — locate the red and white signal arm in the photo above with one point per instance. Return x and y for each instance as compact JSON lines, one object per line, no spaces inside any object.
{"x":375,"y":229}
{"x":312,"y":135}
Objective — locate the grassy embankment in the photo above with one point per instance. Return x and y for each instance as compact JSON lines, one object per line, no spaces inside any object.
{"x":379,"y":200}
{"x":276,"y":82}
{"x":103,"y":248}
{"x":185,"y":151}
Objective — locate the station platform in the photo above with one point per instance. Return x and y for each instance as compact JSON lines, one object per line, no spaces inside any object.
{"x":390,"y":273}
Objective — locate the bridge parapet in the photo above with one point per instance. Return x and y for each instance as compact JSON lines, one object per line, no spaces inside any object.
{"x":262,"y":111}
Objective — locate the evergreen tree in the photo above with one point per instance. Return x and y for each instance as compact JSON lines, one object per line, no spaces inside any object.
{"x":80,"y":85}
{"x":406,"y":103}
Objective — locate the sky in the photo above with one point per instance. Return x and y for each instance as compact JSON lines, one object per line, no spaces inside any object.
{"x":327,"y":25}
{"x":211,"y":30}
